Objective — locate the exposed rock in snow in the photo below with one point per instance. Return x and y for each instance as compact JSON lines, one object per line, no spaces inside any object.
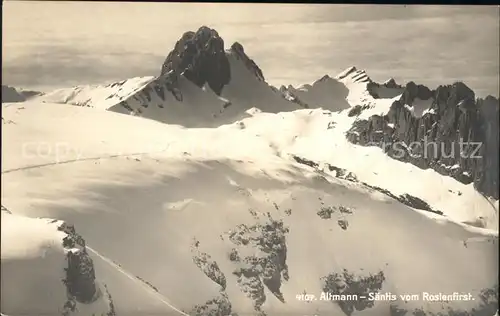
{"x":455,"y":131}
{"x":389,"y":89}
{"x":201,"y":58}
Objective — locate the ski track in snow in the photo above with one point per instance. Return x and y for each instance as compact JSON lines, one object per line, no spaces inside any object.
{"x":78,"y":160}
{"x":157,"y":295}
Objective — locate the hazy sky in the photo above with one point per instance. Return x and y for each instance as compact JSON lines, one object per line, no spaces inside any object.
{"x":56,"y":44}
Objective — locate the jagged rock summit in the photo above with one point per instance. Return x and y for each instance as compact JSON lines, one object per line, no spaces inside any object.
{"x":201,"y":57}
{"x":458,"y":133}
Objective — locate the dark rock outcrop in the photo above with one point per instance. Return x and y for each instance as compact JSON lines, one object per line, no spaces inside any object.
{"x":457,"y":136}
{"x":305,"y":161}
{"x":406,"y":199}
{"x":201,"y":58}
{"x":266,"y":269}
{"x":80,"y":274}
{"x":219,"y":306}
{"x":325,"y":212}
{"x":351,"y":286}
{"x":388,"y":89}
{"x":413,"y":91}
{"x":208,"y":266}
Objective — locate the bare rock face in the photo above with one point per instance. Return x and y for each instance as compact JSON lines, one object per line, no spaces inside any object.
{"x":349,"y":284}
{"x":388,"y":89}
{"x":201,"y":58}
{"x":413,"y":91}
{"x":208,"y":266}
{"x":219,"y":306}
{"x":456,"y":136}
{"x":268,"y":267}
{"x":80,"y":273}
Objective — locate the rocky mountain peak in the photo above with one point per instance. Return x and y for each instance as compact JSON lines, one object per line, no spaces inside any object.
{"x":391,"y":83}
{"x":324,"y":78}
{"x":201,"y":58}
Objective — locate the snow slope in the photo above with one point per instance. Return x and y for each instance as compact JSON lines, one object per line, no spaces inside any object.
{"x":227,"y":220}
{"x":100,"y":96}
{"x":33,"y":269}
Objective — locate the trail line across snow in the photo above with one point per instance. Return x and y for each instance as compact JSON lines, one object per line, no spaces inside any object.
{"x":78,"y":160}
{"x":157,"y":295}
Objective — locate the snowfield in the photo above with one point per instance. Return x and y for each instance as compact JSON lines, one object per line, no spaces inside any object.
{"x":240,"y":204}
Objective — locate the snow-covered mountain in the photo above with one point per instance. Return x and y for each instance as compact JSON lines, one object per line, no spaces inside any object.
{"x":222,"y":195}
{"x":184,"y":91}
{"x":11,"y":94}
